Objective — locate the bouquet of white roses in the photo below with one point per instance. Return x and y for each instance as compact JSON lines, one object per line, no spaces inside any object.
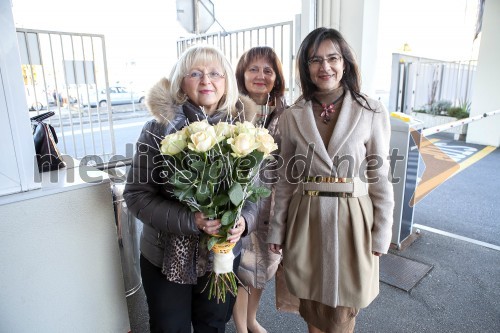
{"x":213,"y":169}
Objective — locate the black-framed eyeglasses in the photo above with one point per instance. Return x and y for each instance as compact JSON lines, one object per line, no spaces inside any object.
{"x":198,"y":76}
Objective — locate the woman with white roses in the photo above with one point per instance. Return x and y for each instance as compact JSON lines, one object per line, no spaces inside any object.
{"x":175,"y":265}
{"x":260,"y":76}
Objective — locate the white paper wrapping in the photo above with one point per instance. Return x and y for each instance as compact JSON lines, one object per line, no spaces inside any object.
{"x":223,"y":262}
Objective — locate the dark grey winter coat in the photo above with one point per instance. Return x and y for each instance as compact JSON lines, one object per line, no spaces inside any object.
{"x":147,"y":193}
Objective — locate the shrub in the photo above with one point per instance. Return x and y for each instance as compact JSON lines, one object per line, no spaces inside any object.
{"x":440,"y":107}
{"x":458,"y":112}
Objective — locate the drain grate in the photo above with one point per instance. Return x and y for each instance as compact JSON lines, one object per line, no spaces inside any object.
{"x":401,"y":272}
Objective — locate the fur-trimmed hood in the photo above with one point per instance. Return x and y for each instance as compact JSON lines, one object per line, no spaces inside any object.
{"x":164,"y":109}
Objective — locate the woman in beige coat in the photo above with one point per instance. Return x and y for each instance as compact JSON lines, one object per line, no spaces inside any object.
{"x":333,"y":202}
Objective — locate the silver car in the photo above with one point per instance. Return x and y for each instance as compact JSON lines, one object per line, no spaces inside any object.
{"x":117,"y":95}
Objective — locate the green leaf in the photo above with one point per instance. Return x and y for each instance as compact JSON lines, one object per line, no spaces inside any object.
{"x":257,"y":156}
{"x":211,"y":242}
{"x":183,"y":179}
{"x":202,"y":192}
{"x":228,"y":218}
{"x":182,"y":185}
{"x":214,"y":172}
{"x":184,"y":194}
{"x":210,"y":212}
{"x":262,"y":192}
{"x":241,"y":175}
{"x":253,"y":198}
{"x":246,"y":163}
{"x":236,"y":194}
{"x":198,"y":166}
{"x":220,"y":200}
{"x":207,"y":211}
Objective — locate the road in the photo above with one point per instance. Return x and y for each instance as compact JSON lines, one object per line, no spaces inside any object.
{"x":466,"y":202}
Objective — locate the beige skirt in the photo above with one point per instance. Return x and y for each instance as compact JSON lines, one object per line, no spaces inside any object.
{"x":327,"y":252}
{"x":330,"y":320}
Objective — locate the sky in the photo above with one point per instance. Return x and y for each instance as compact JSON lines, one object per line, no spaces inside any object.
{"x":145,"y":32}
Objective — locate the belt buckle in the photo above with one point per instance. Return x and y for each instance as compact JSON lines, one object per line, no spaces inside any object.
{"x":324,"y":179}
{"x":328,"y":194}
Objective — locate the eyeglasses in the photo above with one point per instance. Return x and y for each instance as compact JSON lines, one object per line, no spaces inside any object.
{"x":318,"y":61}
{"x":198,"y":76}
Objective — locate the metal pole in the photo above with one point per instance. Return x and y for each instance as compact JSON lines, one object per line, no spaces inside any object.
{"x":195,"y":17}
{"x":457,"y":123}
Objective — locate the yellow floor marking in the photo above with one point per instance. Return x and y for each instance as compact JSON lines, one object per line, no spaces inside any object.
{"x":476,"y":157}
{"x":426,"y":185}
{"x":465,"y":164}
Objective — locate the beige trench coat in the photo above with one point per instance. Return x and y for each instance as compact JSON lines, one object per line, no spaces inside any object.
{"x":328,"y":241}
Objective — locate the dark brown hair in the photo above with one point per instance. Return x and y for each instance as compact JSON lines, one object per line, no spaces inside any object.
{"x":255,"y":53}
{"x":351,"y":79}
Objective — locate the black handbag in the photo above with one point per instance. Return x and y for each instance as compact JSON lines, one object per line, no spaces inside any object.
{"x":45,"y":138}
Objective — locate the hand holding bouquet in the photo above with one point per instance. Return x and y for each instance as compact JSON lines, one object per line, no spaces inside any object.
{"x":213,"y":169}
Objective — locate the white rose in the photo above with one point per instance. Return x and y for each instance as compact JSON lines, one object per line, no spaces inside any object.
{"x":174,"y":143}
{"x":266,"y":142}
{"x":243,"y":144}
{"x":198,"y":126}
{"x":223,"y":130}
{"x":203,"y":141}
{"x":244,"y":127}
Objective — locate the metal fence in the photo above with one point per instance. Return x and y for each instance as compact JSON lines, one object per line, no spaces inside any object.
{"x":421,"y":84}
{"x":62,"y":72}
{"x":233,"y":44}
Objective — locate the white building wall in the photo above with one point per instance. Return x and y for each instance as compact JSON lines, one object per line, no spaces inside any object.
{"x":357,"y":20}
{"x":486,"y":96}
{"x":60,"y":268}
{"x":18,"y":151}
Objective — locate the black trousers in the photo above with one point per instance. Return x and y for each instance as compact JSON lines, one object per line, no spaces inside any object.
{"x":174,"y":307}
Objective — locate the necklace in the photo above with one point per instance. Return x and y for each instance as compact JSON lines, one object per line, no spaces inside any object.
{"x":327,"y":109}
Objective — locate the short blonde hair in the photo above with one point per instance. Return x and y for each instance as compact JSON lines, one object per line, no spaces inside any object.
{"x":205,"y":54}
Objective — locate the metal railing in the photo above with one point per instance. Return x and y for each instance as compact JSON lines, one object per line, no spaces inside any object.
{"x":458,"y":123}
{"x":62,"y":72}
{"x":233,"y":44}
{"x":419,"y":83}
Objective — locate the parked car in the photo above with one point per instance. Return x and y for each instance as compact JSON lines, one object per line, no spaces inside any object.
{"x":118,"y":95}
{"x":38,"y":101}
